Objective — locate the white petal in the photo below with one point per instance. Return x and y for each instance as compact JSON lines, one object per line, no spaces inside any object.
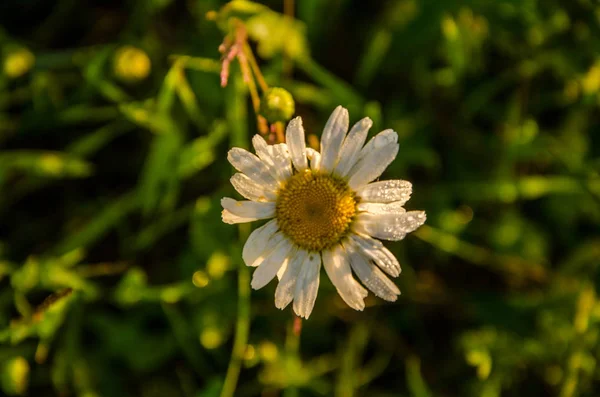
{"x":275,"y":157}
{"x":389,"y":227}
{"x":287,"y":284}
{"x":282,"y":269}
{"x":250,"y":189}
{"x":248,"y":209}
{"x":383,"y":208}
{"x":282,"y":160}
{"x":294,"y":136}
{"x":315,"y":159}
{"x":352,"y":145}
{"x":372,"y":165}
{"x":249,"y":164}
{"x":337,"y":268}
{"x":332,"y":138}
{"x":307,"y":285}
{"x":260,"y":243}
{"x":386,"y":191}
{"x":245,"y":211}
{"x":375,"y":250}
{"x":228,"y":217}
{"x":370,"y":275}
{"x":381,"y":140}
{"x":269,"y":267}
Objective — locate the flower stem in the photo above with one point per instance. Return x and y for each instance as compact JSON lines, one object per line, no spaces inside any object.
{"x":255,"y":68}
{"x":242,"y":327}
{"x":237,"y":119}
{"x":288,"y":10}
{"x":292,"y":347}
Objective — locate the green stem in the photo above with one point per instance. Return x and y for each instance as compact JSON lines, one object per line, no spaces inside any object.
{"x":292,"y":347}
{"x":242,"y":329}
{"x":237,"y":119}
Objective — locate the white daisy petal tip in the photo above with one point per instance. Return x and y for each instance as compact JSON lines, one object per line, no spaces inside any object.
{"x":294,"y":125}
{"x":386,"y":137}
{"x":366,"y":122}
{"x":372,"y":165}
{"x":350,"y":151}
{"x":228,"y":217}
{"x":394,"y":190}
{"x":251,"y":210}
{"x":332,"y":138}
{"x":267,"y":270}
{"x":296,"y":143}
{"x":307,"y":286}
{"x":415,"y":219}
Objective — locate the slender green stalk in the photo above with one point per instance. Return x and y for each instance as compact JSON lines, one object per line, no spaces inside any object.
{"x":242,"y":327}
{"x":292,"y":347}
{"x":237,"y":118}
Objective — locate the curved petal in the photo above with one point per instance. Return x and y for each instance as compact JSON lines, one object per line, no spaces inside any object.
{"x":252,"y":166}
{"x":389,"y":227}
{"x":375,"y":250}
{"x":386,"y":191}
{"x":284,"y":293}
{"x":259,"y":241}
{"x":251,"y":190}
{"x":282,"y":160}
{"x":248,"y":209}
{"x":267,"y":270}
{"x":382,"y":208}
{"x":294,"y":136}
{"x":352,"y":145}
{"x":282,"y":269}
{"x":338,"y":270}
{"x":332,"y":138}
{"x":275,"y":157}
{"x":372,"y":165}
{"x":315,"y":159}
{"x":228,"y":217}
{"x":381,"y":140}
{"x":307,"y":285}
{"x":370,"y":275}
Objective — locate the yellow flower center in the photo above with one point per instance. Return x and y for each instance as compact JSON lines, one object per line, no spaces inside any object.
{"x":315,"y":210}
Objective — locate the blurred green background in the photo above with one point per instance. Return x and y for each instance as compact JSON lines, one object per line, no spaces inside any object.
{"x":118,"y":278}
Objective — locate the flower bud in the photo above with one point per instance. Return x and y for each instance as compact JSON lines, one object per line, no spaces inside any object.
{"x":277,"y":104}
{"x":14,"y":376}
{"x":18,"y":63}
{"x":131,"y":64}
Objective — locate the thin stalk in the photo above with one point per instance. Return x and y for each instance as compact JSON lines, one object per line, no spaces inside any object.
{"x":255,"y":68}
{"x":242,"y":328}
{"x":237,"y":118}
{"x":250,"y":82}
{"x":292,"y":347}
{"x":288,"y":10}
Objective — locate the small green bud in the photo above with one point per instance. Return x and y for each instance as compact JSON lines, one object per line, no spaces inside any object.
{"x":18,"y":62}
{"x":131,"y":64}
{"x":277,"y":105}
{"x":15,"y":376}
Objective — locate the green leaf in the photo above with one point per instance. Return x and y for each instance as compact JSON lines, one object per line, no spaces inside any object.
{"x":45,"y":164}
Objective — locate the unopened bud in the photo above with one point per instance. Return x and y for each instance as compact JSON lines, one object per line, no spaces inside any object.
{"x":131,"y":64}
{"x":18,"y":63}
{"x":15,"y":376}
{"x":277,"y":104}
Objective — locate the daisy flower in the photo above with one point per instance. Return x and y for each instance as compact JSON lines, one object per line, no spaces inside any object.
{"x":324,"y":209}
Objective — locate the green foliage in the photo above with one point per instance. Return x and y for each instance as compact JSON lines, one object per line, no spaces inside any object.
{"x":118,"y":277}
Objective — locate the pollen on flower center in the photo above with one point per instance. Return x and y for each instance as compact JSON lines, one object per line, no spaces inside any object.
{"x":315,"y":210}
